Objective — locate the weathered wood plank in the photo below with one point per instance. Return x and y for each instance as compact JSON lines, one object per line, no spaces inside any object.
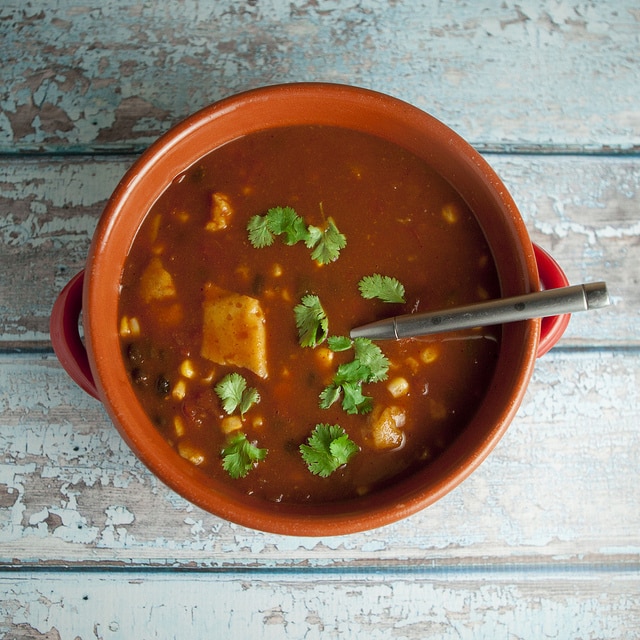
{"x":112,"y":75}
{"x":560,"y":488}
{"x":583,"y":209}
{"x":351,"y":605}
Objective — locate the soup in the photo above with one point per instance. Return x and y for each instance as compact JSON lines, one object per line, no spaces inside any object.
{"x":242,"y":285}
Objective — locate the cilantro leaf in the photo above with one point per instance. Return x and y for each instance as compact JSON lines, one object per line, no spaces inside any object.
{"x":329,"y":395}
{"x":329,"y":242}
{"x":325,"y":243}
{"x":284,"y":220}
{"x":385,"y":288}
{"x":353,"y":371}
{"x":249,"y":397}
{"x":259,"y":233}
{"x":234,"y":393}
{"x":311,"y":321}
{"x":328,"y":448}
{"x":239,"y":455}
{"x":339,"y":343}
{"x":368,"y":365}
{"x":353,"y":400}
{"x":314,"y":235}
{"x":370,"y":355}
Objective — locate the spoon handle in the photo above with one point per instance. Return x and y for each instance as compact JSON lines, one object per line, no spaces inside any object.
{"x":551,"y":302}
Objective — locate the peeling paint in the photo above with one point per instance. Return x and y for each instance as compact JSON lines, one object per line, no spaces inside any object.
{"x":541,"y":541}
{"x":96,"y":79}
{"x":75,"y":487}
{"x":582,"y":209}
{"x":316,"y":606}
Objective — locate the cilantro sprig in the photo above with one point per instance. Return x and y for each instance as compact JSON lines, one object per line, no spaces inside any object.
{"x":325,"y":242}
{"x":235,"y":394}
{"x":239,"y":455}
{"x":368,"y":365}
{"x":311,"y":321}
{"x":328,"y":448}
{"x":385,"y":288}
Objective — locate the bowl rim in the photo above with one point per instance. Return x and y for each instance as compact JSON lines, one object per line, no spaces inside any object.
{"x":172,"y":153}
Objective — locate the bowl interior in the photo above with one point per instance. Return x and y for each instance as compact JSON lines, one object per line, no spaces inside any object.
{"x":289,"y":105}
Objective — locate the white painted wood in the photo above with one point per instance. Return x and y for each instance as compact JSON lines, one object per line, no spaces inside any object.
{"x":402,"y":606}
{"x":114,"y":75}
{"x":559,"y":488}
{"x":582,"y":209}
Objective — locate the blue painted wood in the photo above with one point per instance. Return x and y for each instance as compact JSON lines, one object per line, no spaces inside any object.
{"x":112,"y":75}
{"x":541,"y":541}
{"x":558,"y":489}
{"x":583,"y":209}
{"x":268,"y":606}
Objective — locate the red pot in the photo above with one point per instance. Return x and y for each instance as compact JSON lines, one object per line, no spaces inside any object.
{"x":99,"y":370}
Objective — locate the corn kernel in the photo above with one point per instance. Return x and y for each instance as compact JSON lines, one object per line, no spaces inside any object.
{"x":277,"y":270}
{"x":413,"y":364}
{"x":482,"y":293}
{"x":324,"y":356}
{"x":429,"y":354}
{"x":257,"y":422}
{"x":129,"y":327}
{"x":187,"y":369}
{"x":230,"y":424}
{"x":190,"y":453}
{"x":125,"y":329}
{"x":178,"y":426}
{"x":450,"y":213}
{"x":134,"y":323}
{"x":398,"y":387}
{"x":179,"y":390}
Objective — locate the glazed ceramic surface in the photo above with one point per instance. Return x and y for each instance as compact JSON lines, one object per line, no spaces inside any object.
{"x":321,"y":104}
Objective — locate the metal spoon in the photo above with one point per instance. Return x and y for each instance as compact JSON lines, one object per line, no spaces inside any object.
{"x":551,"y":302}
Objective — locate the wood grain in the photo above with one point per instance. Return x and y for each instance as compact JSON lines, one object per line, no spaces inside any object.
{"x":541,"y":541}
{"x":527,"y":75}
{"x":402,"y":606}
{"x":582,"y":209}
{"x":558,"y":488}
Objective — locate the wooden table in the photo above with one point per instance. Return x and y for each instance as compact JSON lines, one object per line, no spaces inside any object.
{"x":542,"y":541}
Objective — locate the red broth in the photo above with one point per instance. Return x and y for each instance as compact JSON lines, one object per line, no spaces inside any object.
{"x":400,"y":219}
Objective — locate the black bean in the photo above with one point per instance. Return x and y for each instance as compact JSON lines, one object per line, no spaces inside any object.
{"x":135,"y":354}
{"x":163,"y":386}
{"x":258,"y":284}
{"x":140,"y":377}
{"x":197,"y":174}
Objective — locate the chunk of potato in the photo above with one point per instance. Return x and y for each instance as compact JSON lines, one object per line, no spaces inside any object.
{"x":234,"y":330}
{"x":385,"y":425}
{"x":156,"y":282}
{"x":221,"y":212}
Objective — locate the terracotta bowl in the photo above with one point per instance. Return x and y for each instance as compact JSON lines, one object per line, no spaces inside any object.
{"x":100,"y":370}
